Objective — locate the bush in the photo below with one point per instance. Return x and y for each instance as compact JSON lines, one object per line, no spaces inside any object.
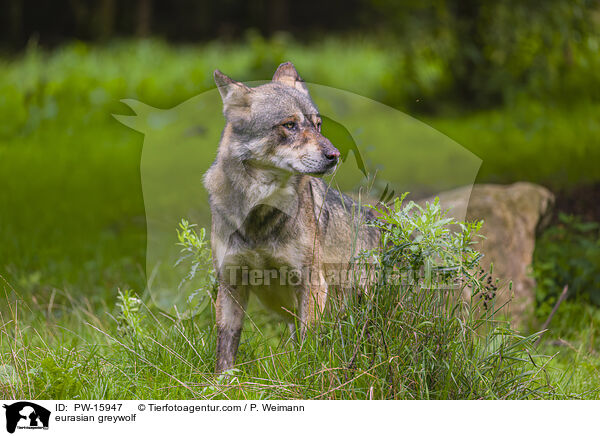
{"x":567,"y":254}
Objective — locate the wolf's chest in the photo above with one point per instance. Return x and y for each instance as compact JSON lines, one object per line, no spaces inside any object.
{"x":264,"y":226}
{"x":270,"y":271}
{"x":264,"y":259}
{"x":264,"y":251}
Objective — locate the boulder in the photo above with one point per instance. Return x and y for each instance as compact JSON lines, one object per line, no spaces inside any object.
{"x":512,"y":215}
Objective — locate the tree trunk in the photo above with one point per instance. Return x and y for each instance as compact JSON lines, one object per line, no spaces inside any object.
{"x":144,"y":18}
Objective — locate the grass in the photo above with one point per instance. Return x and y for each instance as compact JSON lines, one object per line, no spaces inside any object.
{"x":396,"y":340}
{"x":73,"y":233}
{"x":573,"y":339}
{"x":88,"y":355}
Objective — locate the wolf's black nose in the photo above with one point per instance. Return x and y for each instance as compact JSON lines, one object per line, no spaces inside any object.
{"x":331,"y":153}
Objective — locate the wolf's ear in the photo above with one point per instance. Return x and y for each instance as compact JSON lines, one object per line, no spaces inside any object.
{"x":286,"y":73}
{"x":235,"y":95}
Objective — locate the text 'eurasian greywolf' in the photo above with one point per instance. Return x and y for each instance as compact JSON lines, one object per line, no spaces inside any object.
{"x":276,"y":227}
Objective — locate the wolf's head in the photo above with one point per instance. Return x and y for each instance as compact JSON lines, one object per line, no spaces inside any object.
{"x":276,"y":125}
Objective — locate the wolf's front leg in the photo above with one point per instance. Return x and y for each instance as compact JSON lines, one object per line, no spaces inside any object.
{"x":312,"y":301}
{"x":231,"y":308}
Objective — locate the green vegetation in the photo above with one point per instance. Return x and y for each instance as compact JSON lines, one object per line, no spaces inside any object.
{"x":70,"y":162}
{"x":398,"y":339}
{"x":72,"y":232}
{"x":568,"y":254}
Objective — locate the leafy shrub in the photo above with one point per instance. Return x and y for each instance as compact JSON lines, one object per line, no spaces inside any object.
{"x":567,"y":254}
{"x":421,"y":237}
{"x":195,"y":251}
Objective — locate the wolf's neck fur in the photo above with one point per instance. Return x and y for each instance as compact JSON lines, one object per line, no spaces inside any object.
{"x":238,"y":187}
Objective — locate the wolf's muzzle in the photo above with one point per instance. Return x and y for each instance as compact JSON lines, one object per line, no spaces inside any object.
{"x":330,"y":153}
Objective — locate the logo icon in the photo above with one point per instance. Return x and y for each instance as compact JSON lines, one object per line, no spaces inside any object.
{"x":26,"y":415}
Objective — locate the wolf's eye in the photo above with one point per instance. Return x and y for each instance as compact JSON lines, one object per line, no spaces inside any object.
{"x":319,"y":126}
{"x":289,"y":125}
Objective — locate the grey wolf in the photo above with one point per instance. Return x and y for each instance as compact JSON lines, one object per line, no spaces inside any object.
{"x":272,"y":212}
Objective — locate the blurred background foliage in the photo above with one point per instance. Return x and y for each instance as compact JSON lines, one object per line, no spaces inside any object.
{"x":430,"y":55}
{"x":515,"y":82}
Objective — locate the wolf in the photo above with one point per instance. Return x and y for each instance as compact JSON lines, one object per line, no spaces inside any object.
{"x":278,"y":230}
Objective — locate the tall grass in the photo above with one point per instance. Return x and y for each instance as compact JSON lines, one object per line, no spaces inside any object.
{"x":415,"y":339}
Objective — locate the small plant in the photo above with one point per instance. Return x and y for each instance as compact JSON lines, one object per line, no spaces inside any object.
{"x":130,"y":321}
{"x":421,"y":239}
{"x":196,"y":252}
{"x":226,"y":379}
{"x":58,"y":377}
